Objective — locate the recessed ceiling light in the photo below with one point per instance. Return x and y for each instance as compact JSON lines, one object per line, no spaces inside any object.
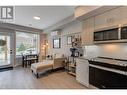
{"x":36,"y":17}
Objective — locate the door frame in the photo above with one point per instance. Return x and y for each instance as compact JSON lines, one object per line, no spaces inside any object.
{"x":11,"y":33}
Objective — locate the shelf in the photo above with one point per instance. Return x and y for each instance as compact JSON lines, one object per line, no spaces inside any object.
{"x":72,"y":73}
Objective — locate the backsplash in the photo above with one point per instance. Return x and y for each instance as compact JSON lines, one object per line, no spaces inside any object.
{"x":113,"y":50}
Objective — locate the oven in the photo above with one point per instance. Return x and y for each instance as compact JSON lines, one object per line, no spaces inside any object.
{"x":107,"y":76}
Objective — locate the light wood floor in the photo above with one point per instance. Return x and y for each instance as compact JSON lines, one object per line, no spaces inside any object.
{"x":22,"y":78}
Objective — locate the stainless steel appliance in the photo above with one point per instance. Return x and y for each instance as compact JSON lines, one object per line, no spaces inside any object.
{"x":108,"y":73}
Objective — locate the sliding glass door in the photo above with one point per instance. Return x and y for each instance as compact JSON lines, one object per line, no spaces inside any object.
{"x":6,"y":48}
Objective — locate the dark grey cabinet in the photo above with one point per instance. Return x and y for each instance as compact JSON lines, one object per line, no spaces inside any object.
{"x":124,"y":32}
{"x":105,"y":35}
{"x":111,"y":34}
{"x":98,"y":36}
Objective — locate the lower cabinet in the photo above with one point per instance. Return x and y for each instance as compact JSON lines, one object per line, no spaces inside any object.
{"x":82,"y":71}
{"x":106,"y":79}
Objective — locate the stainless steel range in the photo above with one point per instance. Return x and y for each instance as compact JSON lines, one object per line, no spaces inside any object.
{"x":108,"y":72}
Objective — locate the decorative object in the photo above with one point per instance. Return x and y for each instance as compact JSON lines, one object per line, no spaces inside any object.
{"x":76,"y":41}
{"x":44,"y":48}
{"x":56,"y":43}
{"x":2,"y":42}
{"x":69,"y":40}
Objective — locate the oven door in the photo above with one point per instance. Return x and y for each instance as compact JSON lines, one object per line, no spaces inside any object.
{"x":107,"y":78}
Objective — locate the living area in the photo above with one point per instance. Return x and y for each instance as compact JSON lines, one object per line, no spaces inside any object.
{"x":78,"y":47}
{"x":28,"y":53}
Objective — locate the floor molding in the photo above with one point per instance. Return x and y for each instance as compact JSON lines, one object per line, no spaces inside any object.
{"x":6,"y":68}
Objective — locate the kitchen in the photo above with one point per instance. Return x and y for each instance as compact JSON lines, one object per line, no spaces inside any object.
{"x":103,"y":33}
{"x":105,"y":49}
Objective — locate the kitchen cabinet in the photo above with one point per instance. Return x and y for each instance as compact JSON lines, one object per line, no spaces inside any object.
{"x":98,"y":36}
{"x":123,"y":15}
{"x":109,"y":19}
{"x":124,"y":33}
{"x":111,"y":34}
{"x":87,"y":33}
{"x":106,"y":35}
{"x":82,"y":71}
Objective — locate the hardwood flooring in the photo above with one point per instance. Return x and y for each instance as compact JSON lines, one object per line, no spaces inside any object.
{"x":22,"y":78}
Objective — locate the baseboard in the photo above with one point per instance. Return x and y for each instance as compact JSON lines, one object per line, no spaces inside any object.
{"x":57,"y":69}
{"x":6,"y":68}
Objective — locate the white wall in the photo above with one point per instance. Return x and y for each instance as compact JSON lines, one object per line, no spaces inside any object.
{"x":68,"y":30}
{"x":113,"y":50}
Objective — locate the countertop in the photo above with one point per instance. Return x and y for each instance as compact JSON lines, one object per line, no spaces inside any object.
{"x":84,"y":58}
{"x":110,"y":61}
{"x":106,"y":60}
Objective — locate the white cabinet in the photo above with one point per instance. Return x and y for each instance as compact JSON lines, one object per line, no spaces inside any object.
{"x":87,"y":33}
{"x":109,"y":19}
{"x":83,"y":10}
{"x":82,"y":71}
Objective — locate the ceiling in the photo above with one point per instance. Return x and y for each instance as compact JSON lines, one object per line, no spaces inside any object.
{"x":49,"y":15}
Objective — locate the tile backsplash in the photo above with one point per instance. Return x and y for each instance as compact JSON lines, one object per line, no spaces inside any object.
{"x":113,"y":50}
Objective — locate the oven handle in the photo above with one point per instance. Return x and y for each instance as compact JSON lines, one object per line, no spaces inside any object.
{"x":108,"y":69}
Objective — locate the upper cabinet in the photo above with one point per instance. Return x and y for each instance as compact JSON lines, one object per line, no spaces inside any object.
{"x":108,"y":19}
{"x":124,"y":32}
{"x":87,"y":33}
{"x":111,"y":20}
{"x":123,"y":15}
{"x":83,"y":10}
{"x":106,"y":35}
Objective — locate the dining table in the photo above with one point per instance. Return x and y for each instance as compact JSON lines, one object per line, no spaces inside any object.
{"x":28,"y":59}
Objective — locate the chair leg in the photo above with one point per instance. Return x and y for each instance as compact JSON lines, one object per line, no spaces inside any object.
{"x":26,"y":64}
{"x":37,"y":75}
{"x":22,"y":64}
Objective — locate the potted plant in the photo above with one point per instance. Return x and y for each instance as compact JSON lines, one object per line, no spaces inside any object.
{"x":2,"y":42}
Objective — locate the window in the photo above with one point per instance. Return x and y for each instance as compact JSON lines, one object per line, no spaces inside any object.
{"x":27,"y":43}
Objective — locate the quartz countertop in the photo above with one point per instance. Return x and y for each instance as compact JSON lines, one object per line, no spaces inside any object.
{"x":84,"y":58}
{"x":110,"y":61}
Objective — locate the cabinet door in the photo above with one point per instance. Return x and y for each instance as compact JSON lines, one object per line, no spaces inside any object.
{"x":108,"y":19}
{"x":111,"y":34}
{"x":87,"y":33}
{"x":82,"y":72}
{"x":123,"y":15}
{"x":124,"y":33}
{"x":98,"y":36}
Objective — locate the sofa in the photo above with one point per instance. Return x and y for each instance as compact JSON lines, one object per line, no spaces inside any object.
{"x":57,"y":61}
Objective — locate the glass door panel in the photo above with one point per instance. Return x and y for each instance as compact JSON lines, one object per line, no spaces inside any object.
{"x":4,"y":50}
